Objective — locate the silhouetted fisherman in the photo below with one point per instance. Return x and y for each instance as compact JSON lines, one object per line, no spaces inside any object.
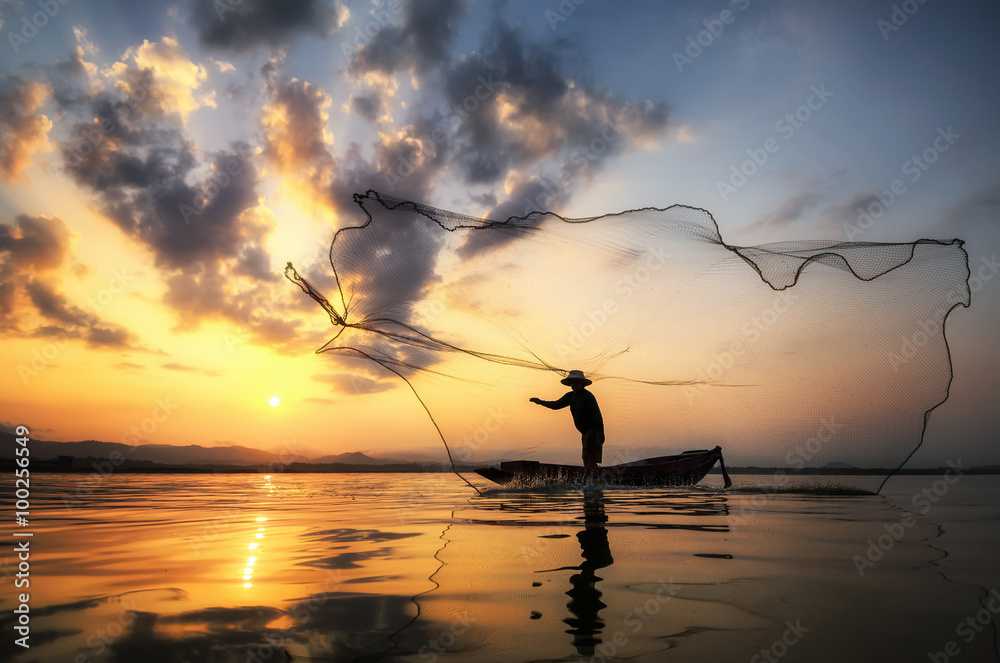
{"x":586,"y":416}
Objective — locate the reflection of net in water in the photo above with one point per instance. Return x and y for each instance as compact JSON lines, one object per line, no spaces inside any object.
{"x":811,"y":355}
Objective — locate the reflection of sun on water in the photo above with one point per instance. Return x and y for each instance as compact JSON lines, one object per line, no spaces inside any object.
{"x":252,"y":559}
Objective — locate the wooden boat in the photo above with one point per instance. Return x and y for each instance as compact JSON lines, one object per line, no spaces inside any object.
{"x":684,"y":469}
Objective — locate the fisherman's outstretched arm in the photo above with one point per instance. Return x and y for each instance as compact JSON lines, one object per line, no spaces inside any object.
{"x":553,"y":405}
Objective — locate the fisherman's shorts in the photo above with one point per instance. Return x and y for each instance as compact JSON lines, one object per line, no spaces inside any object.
{"x":593,"y":445}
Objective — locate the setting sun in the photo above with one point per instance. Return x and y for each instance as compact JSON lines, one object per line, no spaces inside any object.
{"x":275,"y":401}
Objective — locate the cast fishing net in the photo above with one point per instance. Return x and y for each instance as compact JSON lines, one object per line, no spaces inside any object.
{"x":795,"y":355}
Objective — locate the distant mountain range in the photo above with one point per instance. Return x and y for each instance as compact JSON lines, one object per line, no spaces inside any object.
{"x":240,"y":458}
{"x":191,"y":454}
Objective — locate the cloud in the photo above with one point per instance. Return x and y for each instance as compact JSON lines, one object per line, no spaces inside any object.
{"x":516,"y":108}
{"x":518,"y":123}
{"x":129,"y":366}
{"x":259,"y":313}
{"x":23,"y":132}
{"x":173,"y":366}
{"x":176,"y":78}
{"x":353,"y":383}
{"x":294,"y":124}
{"x":252,"y":24}
{"x":980,"y":205}
{"x":847,"y":214}
{"x":790,"y":211}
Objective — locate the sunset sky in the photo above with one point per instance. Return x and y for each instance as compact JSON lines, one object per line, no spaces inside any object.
{"x":161,"y":162}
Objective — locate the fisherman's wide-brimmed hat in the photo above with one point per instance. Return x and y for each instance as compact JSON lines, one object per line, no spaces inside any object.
{"x":576,"y":376}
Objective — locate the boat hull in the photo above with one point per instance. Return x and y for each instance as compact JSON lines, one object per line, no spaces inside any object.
{"x":684,"y":469}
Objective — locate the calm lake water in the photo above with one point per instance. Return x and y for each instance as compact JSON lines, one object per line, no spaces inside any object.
{"x":402,"y":567}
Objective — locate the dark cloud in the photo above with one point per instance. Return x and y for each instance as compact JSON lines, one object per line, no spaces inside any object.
{"x":252,"y":24}
{"x":68,"y":82}
{"x":111,"y":338}
{"x":140,"y":178}
{"x":41,"y":243}
{"x":547,"y":115}
{"x":367,"y":106}
{"x":32,"y":254}
{"x":255,"y":262}
{"x":419,"y":43}
{"x":54,"y":305}
{"x":198,"y":218}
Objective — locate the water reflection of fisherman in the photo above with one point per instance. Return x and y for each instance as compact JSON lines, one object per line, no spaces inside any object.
{"x":586,"y":416}
{"x":585,"y":602}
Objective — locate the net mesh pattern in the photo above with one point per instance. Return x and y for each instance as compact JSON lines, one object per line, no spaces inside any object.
{"x":792,"y":356}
